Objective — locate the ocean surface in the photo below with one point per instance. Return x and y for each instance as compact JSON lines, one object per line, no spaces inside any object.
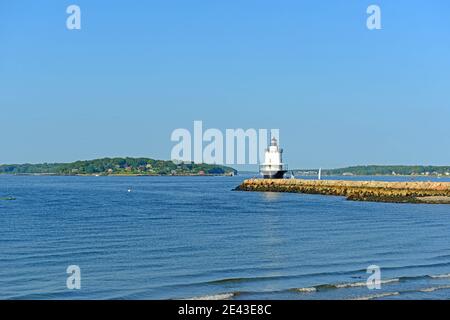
{"x":192,"y":237}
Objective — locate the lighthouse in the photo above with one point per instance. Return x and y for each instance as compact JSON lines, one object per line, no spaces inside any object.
{"x":273,"y":166}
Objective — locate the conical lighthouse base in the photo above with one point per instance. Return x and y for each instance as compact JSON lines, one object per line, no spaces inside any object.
{"x":273,"y":175}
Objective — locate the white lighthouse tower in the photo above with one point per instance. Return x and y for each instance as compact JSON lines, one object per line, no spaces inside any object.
{"x":273,"y":166}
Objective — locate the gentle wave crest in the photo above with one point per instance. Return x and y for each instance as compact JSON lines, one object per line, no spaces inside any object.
{"x":363,"y":284}
{"x":323,"y":287}
{"x":377,"y":296}
{"x":440,"y":276}
{"x":220,"y":296}
{"x":306,"y":290}
{"x":432,"y":289}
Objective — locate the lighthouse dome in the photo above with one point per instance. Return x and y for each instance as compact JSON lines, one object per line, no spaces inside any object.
{"x":274,"y":142}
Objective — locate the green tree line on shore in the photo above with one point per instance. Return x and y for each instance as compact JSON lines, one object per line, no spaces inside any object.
{"x":373,"y":170}
{"x":111,"y":166}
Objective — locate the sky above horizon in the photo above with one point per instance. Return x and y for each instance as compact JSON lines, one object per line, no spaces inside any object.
{"x":340,"y":94}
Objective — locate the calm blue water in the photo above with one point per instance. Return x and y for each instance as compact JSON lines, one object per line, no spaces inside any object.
{"x":186,"y":237}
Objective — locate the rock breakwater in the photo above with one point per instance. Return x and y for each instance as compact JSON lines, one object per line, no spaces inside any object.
{"x":378,"y":191}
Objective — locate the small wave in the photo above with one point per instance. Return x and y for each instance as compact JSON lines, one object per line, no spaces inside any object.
{"x":440,"y":276}
{"x":282,"y":277}
{"x":324,"y":287}
{"x":220,"y":296}
{"x":351,"y":284}
{"x":362,"y":284}
{"x":432,"y":289}
{"x":236,"y":280}
{"x":306,"y":290}
{"x":377,"y":296}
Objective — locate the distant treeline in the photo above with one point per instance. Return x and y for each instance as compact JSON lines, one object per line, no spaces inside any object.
{"x":111,"y":166}
{"x":383,"y":170}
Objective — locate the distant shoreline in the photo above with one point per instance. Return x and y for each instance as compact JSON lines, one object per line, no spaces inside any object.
{"x":213,"y":175}
{"x":118,"y":166}
{"x":112,"y":175}
{"x":379,"y":170}
{"x":377,"y":175}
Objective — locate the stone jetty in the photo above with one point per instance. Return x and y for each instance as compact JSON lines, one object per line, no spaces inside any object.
{"x":378,"y":191}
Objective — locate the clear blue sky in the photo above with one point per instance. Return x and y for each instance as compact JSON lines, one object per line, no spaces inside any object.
{"x":340,"y":94}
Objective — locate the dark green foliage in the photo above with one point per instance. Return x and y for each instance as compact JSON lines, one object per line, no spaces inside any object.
{"x":107,"y":166}
{"x":386,"y":170}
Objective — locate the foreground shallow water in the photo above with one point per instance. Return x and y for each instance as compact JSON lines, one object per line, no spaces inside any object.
{"x":186,"y":237}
